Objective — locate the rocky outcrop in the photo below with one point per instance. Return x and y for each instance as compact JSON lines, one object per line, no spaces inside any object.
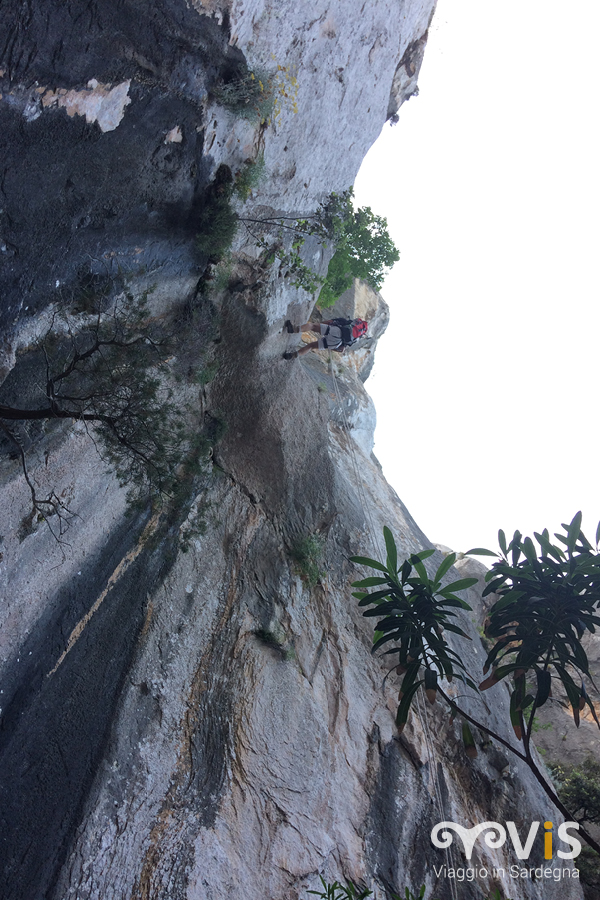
{"x":182,"y":714}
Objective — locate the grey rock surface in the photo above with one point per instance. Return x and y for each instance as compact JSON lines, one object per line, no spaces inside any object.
{"x":190,"y":725}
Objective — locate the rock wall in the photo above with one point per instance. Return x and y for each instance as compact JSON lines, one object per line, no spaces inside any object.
{"x":196,"y":724}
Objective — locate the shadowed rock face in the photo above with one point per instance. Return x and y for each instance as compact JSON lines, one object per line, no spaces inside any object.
{"x":92,"y":182}
{"x":187,"y":725}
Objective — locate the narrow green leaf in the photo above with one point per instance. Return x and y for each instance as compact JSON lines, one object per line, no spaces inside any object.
{"x":371,"y":563}
{"x":573,"y":531}
{"x":392,"y":553}
{"x":453,"y":600}
{"x":447,"y":564}
{"x":515,"y":546}
{"x":480,"y":551}
{"x":376,"y":596}
{"x":404,"y":707}
{"x":544,"y":682}
{"x":460,"y":585}
{"x":420,"y":568}
{"x":468,"y":740}
{"x":549,"y":548}
{"x":529,"y":550}
{"x":385,"y":609}
{"x":580,"y":657}
{"x":448,"y":626}
{"x":379,"y":643}
{"x":502,"y":542}
{"x":422,"y":554}
{"x":369,"y":582}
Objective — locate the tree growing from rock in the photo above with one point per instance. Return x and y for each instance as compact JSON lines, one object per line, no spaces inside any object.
{"x":361,"y":240}
{"x":108,"y":370}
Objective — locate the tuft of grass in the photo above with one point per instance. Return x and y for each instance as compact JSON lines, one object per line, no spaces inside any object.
{"x":249,"y":177}
{"x":537,"y":726}
{"x":277,"y":640}
{"x":222,"y":275}
{"x":250,"y":96}
{"x":307,"y":553}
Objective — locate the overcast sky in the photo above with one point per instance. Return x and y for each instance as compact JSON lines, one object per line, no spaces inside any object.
{"x":486,"y":383}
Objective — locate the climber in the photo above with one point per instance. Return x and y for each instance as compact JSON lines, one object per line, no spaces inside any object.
{"x":336,"y":334}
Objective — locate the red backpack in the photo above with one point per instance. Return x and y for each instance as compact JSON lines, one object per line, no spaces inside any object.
{"x":352,"y":329}
{"x":359,"y":328}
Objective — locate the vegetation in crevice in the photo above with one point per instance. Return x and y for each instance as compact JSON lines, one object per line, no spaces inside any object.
{"x":307,"y":552}
{"x":275,"y":638}
{"x":249,"y":95}
{"x":215,"y":223}
{"x":259,"y":96}
{"x":249,"y":177}
{"x":114,"y":369}
{"x":349,"y":891}
{"x":362,"y":246}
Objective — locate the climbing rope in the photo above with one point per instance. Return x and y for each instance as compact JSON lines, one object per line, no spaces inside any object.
{"x":437,"y":793}
{"x":358,"y":479}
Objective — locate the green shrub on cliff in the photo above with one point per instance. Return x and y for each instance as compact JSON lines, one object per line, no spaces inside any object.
{"x":547,"y":602}
{"x":362,"y":244}
{"x":337,"y":891}
{"x":580,"y":789}
{"x":308,"y":555}
{"x":364,"y":249}
{"x":250,"y":96}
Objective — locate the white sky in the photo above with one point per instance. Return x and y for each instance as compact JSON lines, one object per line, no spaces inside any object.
{"x":486,"y":380}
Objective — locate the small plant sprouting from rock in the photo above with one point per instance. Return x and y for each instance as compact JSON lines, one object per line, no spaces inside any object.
{"x":337,"y":891}
{"x":249,"y":177}
{"x":250,"y":96}
{"x":409,"y":895}
{"x":259,"y":96}
{"x":308,"y":556}
{"x":275,"y":637}
{"x":195,"y":525}
{"x":205,"y":374}
{"x":349,"y":891}
{"x":285,"y":90}
{"x":579,"y":789}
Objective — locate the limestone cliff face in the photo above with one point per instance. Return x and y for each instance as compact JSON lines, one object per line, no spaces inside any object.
{"x":192,"y":725}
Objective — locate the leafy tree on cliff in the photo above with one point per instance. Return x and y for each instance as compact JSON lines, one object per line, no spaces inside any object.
{"x":364,"y":249}
{"x":363,"y":246}
{"x":108,"y":370}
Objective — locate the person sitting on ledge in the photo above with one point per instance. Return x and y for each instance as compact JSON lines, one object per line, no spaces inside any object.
{"x":336,"y":334}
